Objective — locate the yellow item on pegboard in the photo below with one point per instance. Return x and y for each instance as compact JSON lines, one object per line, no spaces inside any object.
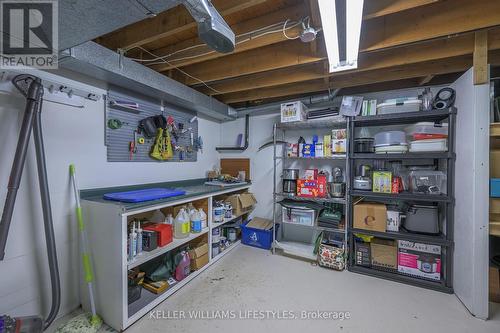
{"x":162,"y":149}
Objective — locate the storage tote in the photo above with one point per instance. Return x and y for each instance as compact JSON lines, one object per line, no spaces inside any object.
{"x":256,"y":237}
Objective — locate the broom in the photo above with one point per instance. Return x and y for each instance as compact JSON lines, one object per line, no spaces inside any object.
{"x":84,"y":323}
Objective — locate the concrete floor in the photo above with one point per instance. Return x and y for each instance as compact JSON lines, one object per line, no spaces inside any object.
{"x":253,"y":279}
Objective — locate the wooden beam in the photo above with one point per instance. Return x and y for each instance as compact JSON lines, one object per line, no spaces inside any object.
{"x":243,"y":42}
{"x":315,"y":18}
{"x":438,"y":20}
{"x":167,"y":23}
{"x":286,"y":54}
{"x":481,"y":57}
{"x":378,"y":8}
{"x":431,"y":50}
{"x":425,"y":80}
{"x":443,"y":66}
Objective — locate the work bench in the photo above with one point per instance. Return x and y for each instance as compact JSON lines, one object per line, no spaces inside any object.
{"x":107,"y":232}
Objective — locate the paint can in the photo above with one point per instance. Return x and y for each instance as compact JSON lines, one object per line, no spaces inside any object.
{"x":231,"y":234}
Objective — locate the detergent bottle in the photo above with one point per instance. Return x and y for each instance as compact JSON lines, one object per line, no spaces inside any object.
{"x":196,"y":222}
{"x":181,"y":225}
{"x":203,"y":216}
{"x":184,"y":267}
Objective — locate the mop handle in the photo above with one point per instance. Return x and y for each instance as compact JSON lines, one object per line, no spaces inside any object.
{"x":87,"y":266}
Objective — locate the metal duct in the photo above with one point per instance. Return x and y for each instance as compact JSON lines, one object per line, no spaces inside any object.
{"x":315,"y":102}
{"x":81,"y":21}
{"x":96,"y":61}
{"x":212,"y":29}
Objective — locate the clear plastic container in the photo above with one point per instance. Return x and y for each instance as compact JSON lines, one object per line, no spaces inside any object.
{"x":390,"y":138}
{"x":181,"y":225}
{"x":429,"y":145}
{"x":399,"y":105}
{"x":428,"y":128}
{"x":428,"y":182}
{"x":299,"y":216}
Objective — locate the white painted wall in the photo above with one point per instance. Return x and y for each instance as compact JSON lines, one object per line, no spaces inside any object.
{"x":71,"y":136}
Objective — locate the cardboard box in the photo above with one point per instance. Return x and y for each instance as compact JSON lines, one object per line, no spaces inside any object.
{"x":338,"y":134}
{"x":420,"y":260}
{"x":494,"y":289}
{"x":327,"y":146}
{"x":292,"y":149}
{"x":294,"y":111}
{"x":382,"y":181}
{"x":370,"y":216}
{"x":495,"y":163}
{"x":319,"y":149}
{"x":199,"y":256}
{"x":312,"y":188}
{"x":384,"y":253}
{"x":311,"y":174}
{"x":339,"y":146}
{"x":309,"y":150}
{"x":260,"y":223}
{"x":242,"y":203}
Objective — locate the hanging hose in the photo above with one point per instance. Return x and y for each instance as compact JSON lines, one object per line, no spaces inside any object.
{"x":31,"y":87}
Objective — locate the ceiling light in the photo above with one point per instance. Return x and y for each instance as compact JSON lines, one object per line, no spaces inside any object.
{"x":341,"y":20}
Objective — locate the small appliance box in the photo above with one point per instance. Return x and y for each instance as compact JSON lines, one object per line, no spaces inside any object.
{"x":370,"y":216}
{"x":339,"y":146}
{"x":292,"y":149}
{"x":312,"y":188}
{"x":384,"y":253}
{"x":421,"y":260}
{"x":163,"y":232}
{"x":311,"y":174}
{"x":294,"y":111}
{"x":327,"y":146}
{"x":382,"y":182}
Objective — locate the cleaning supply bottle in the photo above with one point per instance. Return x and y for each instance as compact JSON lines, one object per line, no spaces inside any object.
{"x":139,"y":238}
{"x":203,"y":217}
{"x":190,"y":209}
{"x":184,"y":267}
{"x":132,"y":243}
{"x":169,"y":219}
{"x":196,"y":222}
{"x":181,"y":225}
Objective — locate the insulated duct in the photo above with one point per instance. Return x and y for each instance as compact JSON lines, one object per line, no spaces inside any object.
{"x":96,"y":61}
{"x":212,"y":29}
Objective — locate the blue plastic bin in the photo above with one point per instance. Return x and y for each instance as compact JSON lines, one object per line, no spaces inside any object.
{"x":256,"y":237}
{"x":495,"y":187}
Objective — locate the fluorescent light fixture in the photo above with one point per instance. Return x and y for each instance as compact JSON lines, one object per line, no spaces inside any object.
{"x":352,"y":11}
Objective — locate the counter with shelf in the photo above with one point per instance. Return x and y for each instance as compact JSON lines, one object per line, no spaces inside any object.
{"x":107,"y":223}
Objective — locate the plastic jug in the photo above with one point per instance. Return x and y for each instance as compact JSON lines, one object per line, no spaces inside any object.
{"x":203,"y":216}
{"x":196,"y":222}
{"x":181,"y":225}
{"x":169,"y":219}
{"x":183,"y":268}
{"x":190,"y":209}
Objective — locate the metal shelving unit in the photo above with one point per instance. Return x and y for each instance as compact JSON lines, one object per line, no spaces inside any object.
{"x":292,"y":247}
{"x":445,"y":202}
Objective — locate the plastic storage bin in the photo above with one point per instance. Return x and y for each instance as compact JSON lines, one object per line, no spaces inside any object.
{"x":298,"y":216}
{"x":428,"y":130}
{"x":427,"y":182}
{"x":399,"y":105}
{"x":390,"y":138}
{"x":495,"y":187}
{"x":256,"y":237}
{"x":429,"y":145}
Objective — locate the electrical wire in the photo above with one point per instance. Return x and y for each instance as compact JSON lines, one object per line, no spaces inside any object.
{"x":180,"y":70}
{"x":158,"y":60}
{"x":284,"y":31}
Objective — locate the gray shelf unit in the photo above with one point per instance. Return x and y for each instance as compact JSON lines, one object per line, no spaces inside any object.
{"x":292,"y":247}
{"x":446,"y":202}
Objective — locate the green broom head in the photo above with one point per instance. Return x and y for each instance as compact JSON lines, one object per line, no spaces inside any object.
{"x":84,"y":323}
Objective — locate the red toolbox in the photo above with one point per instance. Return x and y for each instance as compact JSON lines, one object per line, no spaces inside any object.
{"x":164,"y":232}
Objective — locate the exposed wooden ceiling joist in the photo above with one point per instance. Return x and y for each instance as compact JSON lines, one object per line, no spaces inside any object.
{"x":431,"y":50}
{"x":167,"y":23}
{"x":442,"y":66}
{"x":292,"y":13}
{"x":378,"y":8}
{"x":441,"y":19}
{"x":285,"y":54}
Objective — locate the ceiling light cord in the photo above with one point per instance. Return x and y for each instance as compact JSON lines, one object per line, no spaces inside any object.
{"x":284,"y":31}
